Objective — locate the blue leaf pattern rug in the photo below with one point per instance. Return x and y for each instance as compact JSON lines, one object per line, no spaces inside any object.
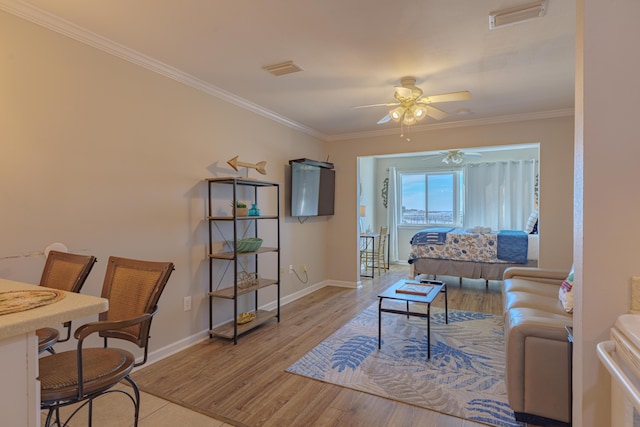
{"x":463,"y":378}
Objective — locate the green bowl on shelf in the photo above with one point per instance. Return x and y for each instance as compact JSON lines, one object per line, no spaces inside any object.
{"x":250,"y":244}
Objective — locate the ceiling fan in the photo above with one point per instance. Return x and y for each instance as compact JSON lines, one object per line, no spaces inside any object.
{"x":412,"y":106}
{"x":454,"y":157}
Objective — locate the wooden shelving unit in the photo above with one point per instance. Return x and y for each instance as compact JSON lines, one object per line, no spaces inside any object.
{"x":233,"y":291}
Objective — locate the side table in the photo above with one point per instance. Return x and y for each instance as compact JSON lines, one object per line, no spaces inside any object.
{"x":392,"y":294}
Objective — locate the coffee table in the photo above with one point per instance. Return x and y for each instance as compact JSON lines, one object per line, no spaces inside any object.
{"x":392,"y":294}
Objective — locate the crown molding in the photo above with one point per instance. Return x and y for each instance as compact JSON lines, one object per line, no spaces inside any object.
{"x":73,"y":31}
{"x":458,"y":124}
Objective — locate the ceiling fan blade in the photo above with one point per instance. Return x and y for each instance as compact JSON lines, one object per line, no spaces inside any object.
{"x":436,"y":113}
{"x":432,"y":157}
{"x":388,"y":104}
{"x":445,"y":97}
{"x":385,"y":119}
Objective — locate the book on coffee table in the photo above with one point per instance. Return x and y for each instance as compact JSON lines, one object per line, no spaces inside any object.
{"x":414,"y":288}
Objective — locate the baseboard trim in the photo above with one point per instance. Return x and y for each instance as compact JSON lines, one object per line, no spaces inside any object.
{"x":341,"y":284}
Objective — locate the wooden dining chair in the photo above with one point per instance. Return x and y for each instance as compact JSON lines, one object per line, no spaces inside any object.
{"x":381,"y":252}
{"x":65,"y":272}
{"x":376,"y":255}
{"x":133,"y":288}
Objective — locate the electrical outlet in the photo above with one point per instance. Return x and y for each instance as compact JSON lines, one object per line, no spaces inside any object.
{"x":281,"y":270}
{"x":290,"y":268}
{"x":186,"y":303}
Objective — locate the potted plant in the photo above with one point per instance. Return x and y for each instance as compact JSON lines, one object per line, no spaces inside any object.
{"x":241,"y":208}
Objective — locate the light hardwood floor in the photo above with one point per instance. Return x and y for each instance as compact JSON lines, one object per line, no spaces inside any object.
{"x":246,"y":384}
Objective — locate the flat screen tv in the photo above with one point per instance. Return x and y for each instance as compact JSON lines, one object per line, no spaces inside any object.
{"x":312,"y":188}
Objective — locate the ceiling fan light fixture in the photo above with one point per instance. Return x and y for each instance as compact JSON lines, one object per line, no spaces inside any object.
{"x":454,"y":157}
{"x":409,"y":118}
{"x":419,"y":111}
{"x":396,"y":114}
{"x":411,"y":107}
{"x":517,"y":14}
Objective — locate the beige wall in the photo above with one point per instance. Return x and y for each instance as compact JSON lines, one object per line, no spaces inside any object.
{"x":607,"y":202}
{"x":555,"y":137}
{"x":109,"y":158}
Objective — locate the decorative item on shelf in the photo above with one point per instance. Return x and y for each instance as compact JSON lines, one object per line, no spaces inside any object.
{"x":249,"y":244}
{"x":260,"y":166}
{"x":247,"y":280}
{"x":254,"y":211}
{"x":246,"y":317}
{"x":241,"y":209}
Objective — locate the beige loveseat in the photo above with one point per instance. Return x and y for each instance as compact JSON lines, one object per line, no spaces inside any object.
{"x":537,"y":346}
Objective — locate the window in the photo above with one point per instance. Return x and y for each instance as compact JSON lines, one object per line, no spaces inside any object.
{"x":431,"y":198}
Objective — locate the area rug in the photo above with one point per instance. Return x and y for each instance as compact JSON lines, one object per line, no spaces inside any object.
{"x":463,"y":378}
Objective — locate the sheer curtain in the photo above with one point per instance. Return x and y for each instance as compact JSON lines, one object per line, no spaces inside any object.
{"x":392,"y":215}
{"x":499,"y":195}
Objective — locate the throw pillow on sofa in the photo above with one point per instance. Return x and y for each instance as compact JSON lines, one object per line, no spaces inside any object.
{"x":566,"y":292}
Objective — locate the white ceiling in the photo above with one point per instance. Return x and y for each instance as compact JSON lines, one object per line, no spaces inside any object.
{"x":353,"y":52}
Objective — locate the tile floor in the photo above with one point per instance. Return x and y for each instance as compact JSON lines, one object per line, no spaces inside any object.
{"x":116,"y":410}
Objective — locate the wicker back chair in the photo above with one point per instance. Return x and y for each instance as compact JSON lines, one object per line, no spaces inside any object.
{"x":376,"y":257}
{"x":381,"y":253}
{"x":133,"y":288}
{"x":65,"y":272}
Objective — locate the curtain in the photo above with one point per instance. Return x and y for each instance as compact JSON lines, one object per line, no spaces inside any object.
{"x":499,"y":195}
{"x":392,"y":216}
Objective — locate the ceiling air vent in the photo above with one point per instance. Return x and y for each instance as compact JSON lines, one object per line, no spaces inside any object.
{"x":282,"y":68}
{"x":517,"y":14}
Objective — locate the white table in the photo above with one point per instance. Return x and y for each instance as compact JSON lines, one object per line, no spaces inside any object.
{"x":19,"y":386}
